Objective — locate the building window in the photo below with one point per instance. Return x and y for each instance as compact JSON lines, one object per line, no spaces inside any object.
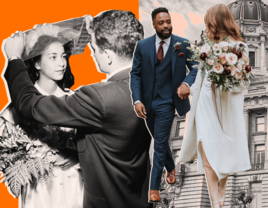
{"x":259,"y":154}
{"x":252,"y":58}
{"x":257,"y":195}
{"x":179,"y":128}
{"x":176,"y":154}
{"x":260,"y":124}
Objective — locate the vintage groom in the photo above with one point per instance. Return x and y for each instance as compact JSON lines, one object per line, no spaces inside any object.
{"x":158,"y":74}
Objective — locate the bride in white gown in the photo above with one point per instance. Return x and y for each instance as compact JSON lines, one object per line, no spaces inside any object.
{"x":46,"y":57}
{"x":217,"y":138}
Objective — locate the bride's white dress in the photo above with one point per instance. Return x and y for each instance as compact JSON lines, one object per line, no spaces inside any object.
{"x":223,"y":134}
{"x":208,"y":129}
{"x":66,"y":190}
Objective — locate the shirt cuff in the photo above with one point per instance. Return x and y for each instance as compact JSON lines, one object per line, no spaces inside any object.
{"x":187,"y":84}
{"x":138,"y":101}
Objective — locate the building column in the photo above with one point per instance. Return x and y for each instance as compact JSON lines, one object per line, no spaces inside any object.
{"x":246,"y":118}
{"x":266,"y":141}
{"x":263,"y":55}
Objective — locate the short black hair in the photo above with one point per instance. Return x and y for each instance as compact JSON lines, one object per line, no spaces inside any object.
{"x":158,"y":10}
{"x":119,"y":31}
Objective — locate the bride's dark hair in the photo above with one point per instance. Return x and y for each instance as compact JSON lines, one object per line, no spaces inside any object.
{"x":41,"y":44}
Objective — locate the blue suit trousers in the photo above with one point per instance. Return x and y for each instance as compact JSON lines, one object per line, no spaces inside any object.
{"x":159,"y":122}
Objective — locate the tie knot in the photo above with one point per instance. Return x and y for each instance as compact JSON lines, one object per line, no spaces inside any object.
{"x":162,"y":42}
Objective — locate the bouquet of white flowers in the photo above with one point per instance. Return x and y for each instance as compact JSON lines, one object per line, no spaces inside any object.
{"x":227,"y":64}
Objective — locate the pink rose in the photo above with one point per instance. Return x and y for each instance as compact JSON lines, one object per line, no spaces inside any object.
{"x":206,"y":49}
{"x":217,"y":68}
{"x":238,"y":75}
{"x":222,"y":58}
{"x":239,"y":67}
{"x":216,"y":47}
{"x":231,"y":58}
{"x":210,"y":61}
{"x":233,"y":70}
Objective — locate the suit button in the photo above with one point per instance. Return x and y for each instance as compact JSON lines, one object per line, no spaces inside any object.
{"x":158,"y":90}
{"x":158,"y":82}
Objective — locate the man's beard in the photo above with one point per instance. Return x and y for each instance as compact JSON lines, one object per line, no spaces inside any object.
{"x":161,"y":35}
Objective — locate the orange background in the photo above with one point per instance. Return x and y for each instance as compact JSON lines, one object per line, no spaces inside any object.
{"x":23,"y":15}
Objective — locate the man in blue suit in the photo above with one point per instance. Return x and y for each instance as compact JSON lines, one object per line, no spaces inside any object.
{"x":159,"y":85}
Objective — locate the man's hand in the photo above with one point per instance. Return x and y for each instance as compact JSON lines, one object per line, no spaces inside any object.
{"x":183,"y":91}
{"x":89,"y":26}
{"x":14,"y":45}
{"x":140,"y":110}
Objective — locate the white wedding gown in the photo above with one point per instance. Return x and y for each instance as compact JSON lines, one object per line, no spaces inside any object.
{"x":208,"y":129}
{"x":66,"y":190}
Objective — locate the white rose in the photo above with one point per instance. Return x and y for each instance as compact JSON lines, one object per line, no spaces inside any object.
{"x":233,"y":70}
{"x":224,"y":45}
{"x":239,"y":67}
{"x":216,"y":47}
{"x":238,"y":75}
{"x":231,"y":58}
{"x":206,"y":49}
{"x":210,"y":61}
{"x":241,"y":61}
{"x":217,"y":68}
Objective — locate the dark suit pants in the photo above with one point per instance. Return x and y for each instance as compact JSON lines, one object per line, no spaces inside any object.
{"x":159,"y":121}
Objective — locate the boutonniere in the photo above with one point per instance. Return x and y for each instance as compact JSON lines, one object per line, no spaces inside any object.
{"x":181,"y":54}
{"x":177,"y":46}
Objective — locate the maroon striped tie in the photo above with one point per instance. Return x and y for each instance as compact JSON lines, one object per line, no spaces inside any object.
{"x":160,"y":52}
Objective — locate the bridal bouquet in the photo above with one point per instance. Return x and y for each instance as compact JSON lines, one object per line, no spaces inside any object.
{"x":27,"y":157}
{"x":226,"y":64}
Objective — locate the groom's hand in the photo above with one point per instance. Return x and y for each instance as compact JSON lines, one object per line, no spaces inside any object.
{"x":183,"y":91}
{"x":89,"y":26}
{"x":140,"y":110}
{"x":14,"y":45}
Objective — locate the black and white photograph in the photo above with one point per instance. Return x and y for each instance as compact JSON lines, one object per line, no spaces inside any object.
{"x":180,"y":120}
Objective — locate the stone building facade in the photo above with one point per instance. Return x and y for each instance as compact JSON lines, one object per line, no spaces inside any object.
{"x":191,"y":189}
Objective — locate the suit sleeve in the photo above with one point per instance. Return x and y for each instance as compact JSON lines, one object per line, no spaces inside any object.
{"x":82,"y":109}
{"x":190,"y":78}
{"x":135,"y":75}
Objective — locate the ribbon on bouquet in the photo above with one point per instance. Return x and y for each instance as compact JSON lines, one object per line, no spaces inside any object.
{"x":215,"y":108}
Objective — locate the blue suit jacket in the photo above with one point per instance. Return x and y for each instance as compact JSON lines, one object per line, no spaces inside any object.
{"x":143,"y":69}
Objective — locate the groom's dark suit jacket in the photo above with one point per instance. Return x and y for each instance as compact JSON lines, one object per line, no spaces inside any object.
{"x":112,"y":142}
{"x":146,"y":77}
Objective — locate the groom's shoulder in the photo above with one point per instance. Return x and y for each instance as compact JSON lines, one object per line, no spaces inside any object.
{"x":180,"y":39}
{"x":104,"y":89}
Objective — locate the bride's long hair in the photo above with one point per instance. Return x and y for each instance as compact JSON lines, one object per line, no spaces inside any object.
{"x":220,"y":20}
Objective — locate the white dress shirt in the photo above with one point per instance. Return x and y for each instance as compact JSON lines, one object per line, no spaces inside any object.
{"x":165,"y":45}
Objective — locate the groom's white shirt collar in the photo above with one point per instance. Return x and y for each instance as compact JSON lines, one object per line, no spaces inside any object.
{"x":165,"y":45}
{"x":115,"y":72}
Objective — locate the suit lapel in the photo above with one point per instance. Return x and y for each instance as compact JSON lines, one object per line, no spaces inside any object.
{"x":152,"y":51}
{"x":174,"y":55}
